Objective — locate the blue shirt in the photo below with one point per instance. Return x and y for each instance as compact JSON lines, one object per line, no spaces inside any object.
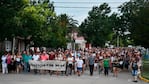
{"x":91,"y":60}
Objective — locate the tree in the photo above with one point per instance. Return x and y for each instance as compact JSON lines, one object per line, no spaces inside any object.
{"x":57,"y":36}
{"x":96,"y":28}
{"x":68,"y":24}
{"x":9,"y":10}
{"x":134,"y":16}
{"x":34,"y":20}
{"x":140,"y":27}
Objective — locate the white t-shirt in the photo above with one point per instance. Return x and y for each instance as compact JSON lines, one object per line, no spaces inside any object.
{"x":35,"y":57}
{"x":3,"y":58}
{"x":101,"y":57}
{"x":80,"y":63}
{"x":70,"y":60}
{"x":60,"y":57}
{"x":112,"y":59}
{"x":18,"y":59}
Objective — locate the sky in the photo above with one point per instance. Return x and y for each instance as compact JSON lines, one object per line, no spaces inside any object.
{"x":73,"y":7}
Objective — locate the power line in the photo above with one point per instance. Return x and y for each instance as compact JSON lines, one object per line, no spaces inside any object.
{"x":80,"y":7}
{"x":70,"y":7}
{"x":86,"y":7}
{"x":77,"y":7}
{"x":86,"y":2}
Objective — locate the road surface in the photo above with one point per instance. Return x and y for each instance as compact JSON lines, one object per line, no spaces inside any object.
{"x":30,"y":78}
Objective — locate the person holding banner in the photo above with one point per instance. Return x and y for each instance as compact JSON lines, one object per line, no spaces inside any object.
{"x":26,"y":57}
{"x":58,"y":57}
{"x":51,"y":57}
{"x":35,"y":57}
{"x":43,"y":57}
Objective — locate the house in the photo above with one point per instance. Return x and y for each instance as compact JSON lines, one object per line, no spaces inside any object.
{"x":17,"y":44}
{"x":78,"y":42}
{"x":81,"y":42}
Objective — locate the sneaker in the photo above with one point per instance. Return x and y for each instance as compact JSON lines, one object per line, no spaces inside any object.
{"x":135,"y":81}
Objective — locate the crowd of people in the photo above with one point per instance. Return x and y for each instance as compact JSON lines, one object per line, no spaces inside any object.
{"x":102,"y":60}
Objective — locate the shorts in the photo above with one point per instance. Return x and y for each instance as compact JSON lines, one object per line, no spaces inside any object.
{"x":79,"y":68}
{"x":134,"y":72}
{"x":18,"y":63}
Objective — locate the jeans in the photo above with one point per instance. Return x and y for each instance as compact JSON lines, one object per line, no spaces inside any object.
{"x":134,"y":72}
{"x":91,"y":69}
{"x":106,"y":71}
{"x":100,"y":69}
{"x":69,"y":69}
{"x":4,"y":68}
{"x":26,"y":67}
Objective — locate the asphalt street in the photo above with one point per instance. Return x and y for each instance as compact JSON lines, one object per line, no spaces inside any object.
{"x":30,"y":78}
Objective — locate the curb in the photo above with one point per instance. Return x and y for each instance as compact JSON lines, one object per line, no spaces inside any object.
{"x":143,"y":79}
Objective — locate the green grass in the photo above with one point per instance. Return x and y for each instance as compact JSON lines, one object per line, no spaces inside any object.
{"x":145,"y":69}
{"x":145,"y":75}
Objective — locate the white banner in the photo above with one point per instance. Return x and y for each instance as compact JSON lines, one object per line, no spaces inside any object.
{"x":48,"y":65}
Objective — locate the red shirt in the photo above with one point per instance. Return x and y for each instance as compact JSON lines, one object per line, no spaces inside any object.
{"x":8,"y":59}
{"x":44,"y":57}
{"x":51,"y":57}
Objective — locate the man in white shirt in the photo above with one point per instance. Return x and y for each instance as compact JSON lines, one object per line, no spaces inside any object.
{"x":36,"y":57}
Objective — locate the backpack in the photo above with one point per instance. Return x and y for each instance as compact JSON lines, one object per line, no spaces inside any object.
{"x":134,"y":66}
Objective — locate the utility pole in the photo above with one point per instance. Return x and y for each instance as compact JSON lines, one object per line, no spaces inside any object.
{"x":13,"y":45}
{"x":118,"y":40}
